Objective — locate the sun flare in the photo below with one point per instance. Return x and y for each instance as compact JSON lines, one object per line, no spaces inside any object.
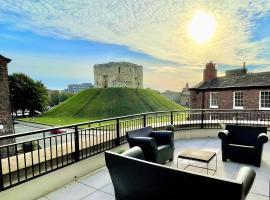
{"x":202,"y":27}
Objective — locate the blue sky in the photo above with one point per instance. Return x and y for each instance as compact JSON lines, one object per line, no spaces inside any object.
{"x":58,"y":42}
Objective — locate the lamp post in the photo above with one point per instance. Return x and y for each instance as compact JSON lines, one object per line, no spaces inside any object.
{"x":59,"y":95}
{"x":11,"y":107}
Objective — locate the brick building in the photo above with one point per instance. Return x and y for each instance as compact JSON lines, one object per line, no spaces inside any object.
{"x":5,"y":105}
{"x":237,"y":90}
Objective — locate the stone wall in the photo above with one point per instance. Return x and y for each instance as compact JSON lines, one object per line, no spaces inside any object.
{"x":118,"y":74}
{"x":6,"y":127}
{"x":5,"y":106}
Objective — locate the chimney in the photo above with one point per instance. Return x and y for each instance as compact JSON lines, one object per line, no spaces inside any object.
{"x":209,"y":72}
{"x":237,"y":72}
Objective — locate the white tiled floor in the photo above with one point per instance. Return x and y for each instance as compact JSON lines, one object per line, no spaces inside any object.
{"x":98,"y":186}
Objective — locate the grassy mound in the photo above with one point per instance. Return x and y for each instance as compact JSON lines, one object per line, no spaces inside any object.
{"x":99,"y":103}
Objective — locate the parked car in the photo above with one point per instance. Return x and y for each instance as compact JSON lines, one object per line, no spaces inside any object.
{"x":57,"y":131}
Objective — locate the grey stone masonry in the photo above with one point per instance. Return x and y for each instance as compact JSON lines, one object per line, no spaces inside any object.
{"x":6,"y":127}
{"x":118,"y":74}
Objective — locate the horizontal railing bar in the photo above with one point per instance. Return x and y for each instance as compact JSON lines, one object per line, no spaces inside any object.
{"x":36,"y":139}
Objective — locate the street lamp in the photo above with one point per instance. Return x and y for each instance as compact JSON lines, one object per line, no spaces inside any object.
{"x":12,"y":111}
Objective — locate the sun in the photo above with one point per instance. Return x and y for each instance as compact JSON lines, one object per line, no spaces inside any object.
{"x":201,"y":27}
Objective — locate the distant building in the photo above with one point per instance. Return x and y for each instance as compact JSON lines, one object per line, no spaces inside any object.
{"x":118,"y":74}
{"x":76,"y":88}
{"x":185,"y":96}
{"x":236,"y":90}
{"x":172,"y":95}
{"x":50,"y":91}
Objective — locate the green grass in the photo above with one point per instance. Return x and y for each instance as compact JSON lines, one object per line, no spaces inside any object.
{"x":99,"y":103}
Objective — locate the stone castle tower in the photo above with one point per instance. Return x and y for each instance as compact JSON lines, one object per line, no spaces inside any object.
{"x":118,"y":74}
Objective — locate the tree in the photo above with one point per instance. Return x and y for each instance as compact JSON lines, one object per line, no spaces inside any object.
{"x":55,"y":97}
{"x":27,"y":94}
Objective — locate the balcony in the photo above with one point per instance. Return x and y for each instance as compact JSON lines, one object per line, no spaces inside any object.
{"x":98,"y":185}
{"x":66,"y":163}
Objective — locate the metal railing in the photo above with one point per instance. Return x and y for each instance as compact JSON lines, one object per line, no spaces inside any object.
{"x":40,"y":152}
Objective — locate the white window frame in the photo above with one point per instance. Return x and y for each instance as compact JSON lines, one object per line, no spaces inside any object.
{"x":260,"y":98}
{"x":213,"y":106}
{"x":237,"y":107}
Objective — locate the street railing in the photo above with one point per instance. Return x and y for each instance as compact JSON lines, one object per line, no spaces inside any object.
{"x":40,"y":152}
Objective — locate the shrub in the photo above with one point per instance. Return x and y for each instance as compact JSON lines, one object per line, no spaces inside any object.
{"x":28,"y":147}
{"x":170,"y":127}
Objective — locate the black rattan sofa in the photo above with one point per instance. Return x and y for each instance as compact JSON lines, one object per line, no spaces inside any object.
{"x":243,"y":143}
{"x":157,"y":146}
{"x":134,"y":178}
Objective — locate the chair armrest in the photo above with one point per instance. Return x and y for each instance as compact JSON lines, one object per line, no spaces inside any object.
{"x":223,"y":134}
{"x":134,"y":152}
{"x":148,"y":146}
{"x":246,"y":175}
{"x":262,"y":138}
{"x":163,"y":137}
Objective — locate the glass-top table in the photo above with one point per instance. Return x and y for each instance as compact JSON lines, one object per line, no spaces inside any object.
{"x":198,"y":155}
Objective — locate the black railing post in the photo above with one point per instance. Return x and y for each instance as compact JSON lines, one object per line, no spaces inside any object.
{"x":77,"y":147}
{"x":236,"y":118}
{"x":202,"y":119}
{"x":171,"y":117}
{"x":144,"y":120}
{"x":117,"y":141}
{"x":1,"y":175}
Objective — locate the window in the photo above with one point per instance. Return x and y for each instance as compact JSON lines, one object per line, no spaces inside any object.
{"x":265,"y":100}
{"x":213,"y":100}
{"x":238,"y":100}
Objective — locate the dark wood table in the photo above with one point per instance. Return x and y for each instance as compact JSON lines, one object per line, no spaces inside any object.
{"x":198,"y":155}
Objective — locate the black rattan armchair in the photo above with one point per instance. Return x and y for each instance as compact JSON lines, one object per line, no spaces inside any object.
{"x":157,"y":146}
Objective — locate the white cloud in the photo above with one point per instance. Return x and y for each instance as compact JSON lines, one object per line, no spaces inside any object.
{"x":155,"y":27}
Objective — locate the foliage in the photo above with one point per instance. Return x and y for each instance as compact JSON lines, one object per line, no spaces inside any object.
{"x":170,"y":127}
{"x":27,"y":93}
{"x":97,"y":103}
{"x":56,"y":97}
{"x":28,"y":147}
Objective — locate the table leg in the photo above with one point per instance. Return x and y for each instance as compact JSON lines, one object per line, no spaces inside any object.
{"x":216,"y":163}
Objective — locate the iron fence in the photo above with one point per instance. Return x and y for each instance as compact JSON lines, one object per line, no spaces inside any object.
{"x":40,"y":152}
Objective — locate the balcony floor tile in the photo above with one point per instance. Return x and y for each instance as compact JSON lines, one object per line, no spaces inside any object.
{"x":98,"y":186}
{"x":72,"y":191}
{"x":97,"y":180}
{"x":99,"y":195}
